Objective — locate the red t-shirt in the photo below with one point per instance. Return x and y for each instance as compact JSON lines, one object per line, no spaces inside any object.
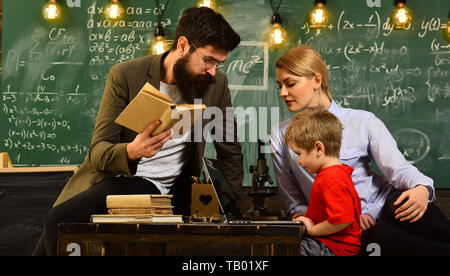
{"x":334,"y":199}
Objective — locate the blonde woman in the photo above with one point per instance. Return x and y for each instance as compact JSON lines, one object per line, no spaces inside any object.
{"x":401,"y":198}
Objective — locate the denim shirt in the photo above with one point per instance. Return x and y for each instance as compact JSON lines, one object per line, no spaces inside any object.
{"x":365,"y":138}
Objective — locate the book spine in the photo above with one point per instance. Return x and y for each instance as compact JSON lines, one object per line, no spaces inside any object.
{"x":129,"y":201}
{"x":137,"y":201}
{"x":134,"y":211}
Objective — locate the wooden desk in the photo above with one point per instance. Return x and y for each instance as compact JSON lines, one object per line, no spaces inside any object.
{"x":88,"y":239}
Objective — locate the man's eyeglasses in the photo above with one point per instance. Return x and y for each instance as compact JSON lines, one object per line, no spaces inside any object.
{"x":209,"y":63}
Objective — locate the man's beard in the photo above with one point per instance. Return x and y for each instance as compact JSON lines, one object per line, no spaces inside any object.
{"x":191,"y":86}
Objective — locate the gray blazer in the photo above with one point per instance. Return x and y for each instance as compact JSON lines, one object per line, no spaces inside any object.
{"x":107,"y":154}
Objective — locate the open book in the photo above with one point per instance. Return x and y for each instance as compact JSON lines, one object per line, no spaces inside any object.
{"x":150,"y":105}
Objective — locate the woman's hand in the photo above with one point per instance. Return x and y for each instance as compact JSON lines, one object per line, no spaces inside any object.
{"x":416,"y":205}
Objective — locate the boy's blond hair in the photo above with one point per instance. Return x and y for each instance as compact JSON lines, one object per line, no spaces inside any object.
{"x":312,"y":125}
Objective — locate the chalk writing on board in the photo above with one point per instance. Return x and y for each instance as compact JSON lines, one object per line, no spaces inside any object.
{"x":371,"y":49}
{"x":442,"y":116}
{"x":248,"y":66}
{"x":401,"y":76}
{"x":53,"y":111}
{"x":413,"y":143}
{"x":435,"y":90}
{"x":432,"y":25}
{"x":373,"y":23}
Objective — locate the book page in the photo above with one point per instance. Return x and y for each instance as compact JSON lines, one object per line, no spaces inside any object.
{"x":150,"y":89}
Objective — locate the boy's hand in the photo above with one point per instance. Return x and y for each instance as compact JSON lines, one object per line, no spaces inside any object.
{"x":294,"y":216}
{"x":306,"y":221}
{"x":323,"y":228}
{"x":366,"y":221}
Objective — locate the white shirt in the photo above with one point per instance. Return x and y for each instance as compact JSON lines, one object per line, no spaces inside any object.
{"x":163,"y":168}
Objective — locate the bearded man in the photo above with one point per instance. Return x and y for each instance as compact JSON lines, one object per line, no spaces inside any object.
{"x":121,"y":161}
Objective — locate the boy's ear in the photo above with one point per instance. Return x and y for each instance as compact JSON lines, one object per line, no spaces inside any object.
{"x":320,"y":148}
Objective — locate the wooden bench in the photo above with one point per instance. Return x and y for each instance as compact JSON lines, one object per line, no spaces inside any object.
{"x":86,"y":239}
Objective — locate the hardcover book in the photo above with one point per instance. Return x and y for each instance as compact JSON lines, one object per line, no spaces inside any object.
{"x":150,"y":105}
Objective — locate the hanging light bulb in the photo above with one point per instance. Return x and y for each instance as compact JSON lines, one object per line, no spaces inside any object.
{"x":277,"y":36}
{"x":318,"y":17}
{"x":447,"y":35}
{"x":207,"y":3}
{"x":51,"y":10}
{"x":402,"y":16}
{"x":159,"y":45}
{"x":113,"y":10}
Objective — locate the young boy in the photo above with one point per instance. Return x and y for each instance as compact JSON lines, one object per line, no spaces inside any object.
{"x":334,"y":210}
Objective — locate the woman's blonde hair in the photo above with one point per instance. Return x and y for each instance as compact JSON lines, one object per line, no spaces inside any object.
{"x":305,"y":62}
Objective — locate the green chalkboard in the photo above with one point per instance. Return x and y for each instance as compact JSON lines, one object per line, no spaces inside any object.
{"x":54,"y":73}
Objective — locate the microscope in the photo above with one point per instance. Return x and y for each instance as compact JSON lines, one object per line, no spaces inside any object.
{"x":260,"y":176}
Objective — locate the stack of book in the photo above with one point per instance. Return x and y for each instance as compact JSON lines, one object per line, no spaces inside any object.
{"x":138,"y":209}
